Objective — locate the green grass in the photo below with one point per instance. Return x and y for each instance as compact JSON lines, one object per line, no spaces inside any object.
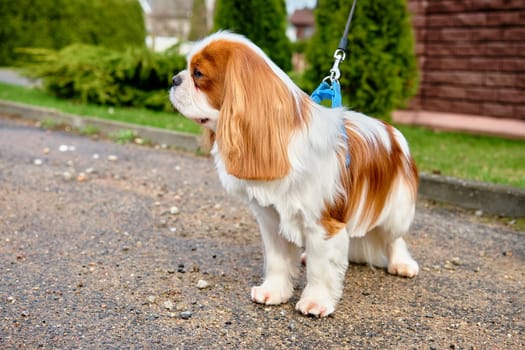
{"x":165,"y":120}
{"x":481,"y":158}
{"x":123,"y":136}
{"x":474,"y":157}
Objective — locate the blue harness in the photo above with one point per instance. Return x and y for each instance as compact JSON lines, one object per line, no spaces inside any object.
{"x":332,"y":92}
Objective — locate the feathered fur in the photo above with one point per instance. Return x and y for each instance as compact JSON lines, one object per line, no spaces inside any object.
{"x":286,"y":155}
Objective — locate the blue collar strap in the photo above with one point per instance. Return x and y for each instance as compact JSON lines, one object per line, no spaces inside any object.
{"x":326,"y":92}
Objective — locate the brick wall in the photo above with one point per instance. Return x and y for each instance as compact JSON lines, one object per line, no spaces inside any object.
{"x":471,"y":56}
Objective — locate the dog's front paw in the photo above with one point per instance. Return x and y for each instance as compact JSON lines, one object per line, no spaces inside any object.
{"x":272,"y":292}
{"x":316,"y":302}
{"x":407,"y":268}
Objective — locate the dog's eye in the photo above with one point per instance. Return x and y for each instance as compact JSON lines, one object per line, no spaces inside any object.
{"x":197,"y":73}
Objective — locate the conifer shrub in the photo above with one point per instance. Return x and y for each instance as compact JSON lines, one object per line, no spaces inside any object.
{"x":136,"y":77}
{"x":54,"y":24}
{"x":262,"y":21}
{"x":380,"y":71}
{"x":198,"y":20}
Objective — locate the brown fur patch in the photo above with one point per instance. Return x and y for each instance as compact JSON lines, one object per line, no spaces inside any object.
{"x":258,"y":112}
{"x":373,"y":171}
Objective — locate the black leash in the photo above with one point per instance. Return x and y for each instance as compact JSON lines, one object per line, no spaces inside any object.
{"x":340,"y":53}
{"x":343,"y":43}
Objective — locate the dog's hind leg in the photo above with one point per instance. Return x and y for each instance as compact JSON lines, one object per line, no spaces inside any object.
{"x":368,"y":250}
{"x":384,"y":246}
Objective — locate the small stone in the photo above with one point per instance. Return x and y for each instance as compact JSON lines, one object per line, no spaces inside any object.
{"x":174,"y":210}
{"x":202,"y":284}
{"x":90,"y":171}
{"x":449,"y":266}
{"x":37,"y":161}
{"x":479,"y":213}
{"x":507,"y":253}
{"x":172,"y":315}
{"x":67,"y":175}
{"x":151,"y":299}
{"x":46,"y":150}
{"x":138,"y":141}
{"x":81,"y":177}
{"x":112,"y":158}
{"x":63,"y":148}
{"x":456,"y":261}
{"x":291,"y":326}
{"x":185,"y":315}
{"x":96,"y":156}
{"x":168,"y":305}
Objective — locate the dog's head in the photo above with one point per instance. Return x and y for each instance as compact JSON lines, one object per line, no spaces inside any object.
{"x":232,"y":88}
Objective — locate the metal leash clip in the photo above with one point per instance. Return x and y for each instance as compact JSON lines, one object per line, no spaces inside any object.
{"x":340,"y":53}
{"x":339,"y":56}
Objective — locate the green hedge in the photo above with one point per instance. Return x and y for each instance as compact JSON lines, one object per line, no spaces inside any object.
{"x":262,"y":21}
{"x":380,"y":71}
{"x":54,"y":24}
{"x":136,"y":77}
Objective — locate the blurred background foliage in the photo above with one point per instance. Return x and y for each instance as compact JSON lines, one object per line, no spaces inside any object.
{"x":54,"y":24}
{"x":380,"y":71}
{"x":262,"y":21}
{"x":94,"y":51}
{"x":135,"y":77}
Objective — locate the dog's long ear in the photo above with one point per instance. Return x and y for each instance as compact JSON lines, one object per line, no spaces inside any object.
{"x":257,"y":118}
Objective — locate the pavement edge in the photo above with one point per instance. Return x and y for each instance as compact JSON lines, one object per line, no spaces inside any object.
{"x":489,"y":198}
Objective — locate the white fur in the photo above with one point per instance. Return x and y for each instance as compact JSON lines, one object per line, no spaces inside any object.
{"x":288,"y":210}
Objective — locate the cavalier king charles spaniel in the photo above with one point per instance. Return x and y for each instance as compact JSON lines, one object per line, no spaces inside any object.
{"x":287,"y":156}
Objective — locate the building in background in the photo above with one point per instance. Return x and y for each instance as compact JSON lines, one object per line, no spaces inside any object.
{"x":472,"y":66}
{"x":302,"y":23}
{"x":169,"y":21}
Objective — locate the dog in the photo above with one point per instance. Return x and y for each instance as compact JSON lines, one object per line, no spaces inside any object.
{"x":288,"y":158}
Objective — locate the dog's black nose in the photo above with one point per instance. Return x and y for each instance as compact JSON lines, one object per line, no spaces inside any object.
{"x":177,"y":80}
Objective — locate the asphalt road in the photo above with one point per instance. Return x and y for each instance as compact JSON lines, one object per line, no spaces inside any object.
{"x":102,"y":246}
